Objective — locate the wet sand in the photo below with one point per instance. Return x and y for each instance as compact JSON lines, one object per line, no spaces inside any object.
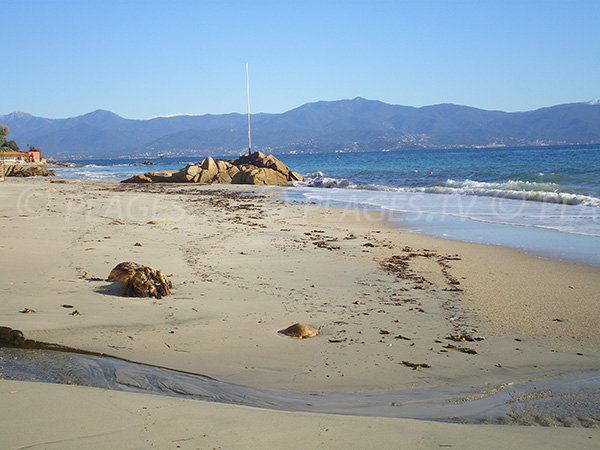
{"x":568,"y":401}
{"x":60,"y":417}
{"x":245,"y":267}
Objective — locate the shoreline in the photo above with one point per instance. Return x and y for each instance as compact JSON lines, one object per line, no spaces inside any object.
{"x":245,"y":266}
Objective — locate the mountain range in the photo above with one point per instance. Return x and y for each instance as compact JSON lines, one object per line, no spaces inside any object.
{"x":325,"y":126}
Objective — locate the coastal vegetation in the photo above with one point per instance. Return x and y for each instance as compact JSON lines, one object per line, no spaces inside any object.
{"x":6,"y":145}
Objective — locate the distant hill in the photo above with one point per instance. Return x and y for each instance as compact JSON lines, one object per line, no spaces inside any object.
{"x":349,"y":125}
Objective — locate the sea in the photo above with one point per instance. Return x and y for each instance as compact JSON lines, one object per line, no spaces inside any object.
{"x":542,"y":200}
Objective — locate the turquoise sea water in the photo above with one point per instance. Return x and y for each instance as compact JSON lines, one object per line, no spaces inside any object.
{"x":544,"y":200}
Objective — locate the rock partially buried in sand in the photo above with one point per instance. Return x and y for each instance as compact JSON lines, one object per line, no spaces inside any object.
{"x":141,"y":281}
{"x":300,"y":331}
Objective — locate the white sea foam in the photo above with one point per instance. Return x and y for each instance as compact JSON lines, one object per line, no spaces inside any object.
{"x":511,"y":189}
{"x":510,"y":185}
{"x":94,"y":175}
{"x":516,"y":190}
{"x":318,"y":180}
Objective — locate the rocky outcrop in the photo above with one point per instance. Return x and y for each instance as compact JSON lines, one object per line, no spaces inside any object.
{"x":23,"y":170}
{"x":257,"y":169}
{"x":140,"y":281}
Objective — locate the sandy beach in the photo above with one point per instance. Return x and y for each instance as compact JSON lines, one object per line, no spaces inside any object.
{"x":244,"y":265}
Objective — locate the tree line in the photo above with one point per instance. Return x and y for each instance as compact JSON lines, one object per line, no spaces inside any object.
{"x":10,"y":146}
{"x":5,"y":144}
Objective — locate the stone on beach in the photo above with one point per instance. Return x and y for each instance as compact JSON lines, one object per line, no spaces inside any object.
{"x":141,"y":281}
{"x":300,"y":331}
{"x":13,"y":338}
{"x":255,"y":169}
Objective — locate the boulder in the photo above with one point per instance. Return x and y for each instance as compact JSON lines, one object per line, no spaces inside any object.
{"x":223,"y":166}
{"x":273,"y":163}
{"x":259,"y":176}
{"x":141,"y":178}
{"x":11,"y":338}
{"x":222,"y":178}
{"x":208,"y":165}
{"x":179,"y":176}
{"x":260,"y":160}
{"x":231,"y":171}
{"x":166,"y":176}
{"x":256,"y":159}
{"x":295,"y":176}
{"x":192,"y":170}
{"x":265,"y":176}
{"x":206,"y":176}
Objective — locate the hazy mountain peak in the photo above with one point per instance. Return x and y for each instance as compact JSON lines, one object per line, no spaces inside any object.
{"x":102,"y":113}
{"x":17,"y":115}
{"x":356,"y":124}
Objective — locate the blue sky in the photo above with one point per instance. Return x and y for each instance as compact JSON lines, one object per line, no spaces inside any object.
{"x":142,"y":58}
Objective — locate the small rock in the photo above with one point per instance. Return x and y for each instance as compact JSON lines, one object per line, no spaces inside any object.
{"x":300,"y":331}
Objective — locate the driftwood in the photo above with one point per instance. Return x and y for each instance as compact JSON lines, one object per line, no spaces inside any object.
{"x":141,"y":281}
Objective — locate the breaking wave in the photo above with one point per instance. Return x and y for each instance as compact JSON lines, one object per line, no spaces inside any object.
{"x":318,"y":180}
{"x":512,"y":189}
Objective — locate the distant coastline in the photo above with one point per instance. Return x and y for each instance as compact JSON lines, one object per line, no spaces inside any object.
{"x":347,"y":126}
{"x":78,"y":160}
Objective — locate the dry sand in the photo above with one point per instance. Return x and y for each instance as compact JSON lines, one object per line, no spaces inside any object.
{"x":245,"y":267}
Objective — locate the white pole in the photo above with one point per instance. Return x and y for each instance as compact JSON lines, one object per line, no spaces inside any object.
{"x":248,"y":109}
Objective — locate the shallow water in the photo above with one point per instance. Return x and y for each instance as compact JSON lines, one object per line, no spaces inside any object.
{"x":572,"y":400}
{"x":562,"y":232}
